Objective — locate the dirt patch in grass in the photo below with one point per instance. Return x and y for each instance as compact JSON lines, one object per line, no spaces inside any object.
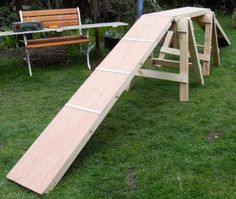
{"x":131,"y":181}
{"x":12,"y":53}
{"x":40,"y":56}
{"x":214,"y":135}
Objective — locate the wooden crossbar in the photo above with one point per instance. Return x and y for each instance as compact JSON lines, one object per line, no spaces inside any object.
{"x":82,"y":108}
{"x":163,"y":75}
{"x":112,"y":71}
{"x":138,"y":40}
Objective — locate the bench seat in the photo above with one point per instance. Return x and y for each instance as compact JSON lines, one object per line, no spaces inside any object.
{"x":56,"y":41}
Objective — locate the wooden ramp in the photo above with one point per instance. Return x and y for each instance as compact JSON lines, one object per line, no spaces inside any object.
{"x":49,"y":157}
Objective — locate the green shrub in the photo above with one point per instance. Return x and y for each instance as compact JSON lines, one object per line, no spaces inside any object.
{"x":7,"y":17}
{"x":8,"y":42}
{"x":234,"y":19}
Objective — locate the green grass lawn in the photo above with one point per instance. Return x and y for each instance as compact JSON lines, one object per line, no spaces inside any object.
{"x":150,"y":145}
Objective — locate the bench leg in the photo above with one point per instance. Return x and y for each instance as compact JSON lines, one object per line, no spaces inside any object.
{"x":88,"y":57}
{"x":87,"y":52}
{"x":90,"y":47}
{"x":28,"y":61}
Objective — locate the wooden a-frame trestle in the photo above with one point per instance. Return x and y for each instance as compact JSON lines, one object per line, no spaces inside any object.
{"x":180,"y":41}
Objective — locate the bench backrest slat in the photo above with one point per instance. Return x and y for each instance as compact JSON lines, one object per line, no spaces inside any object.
{"x":50,"y":18}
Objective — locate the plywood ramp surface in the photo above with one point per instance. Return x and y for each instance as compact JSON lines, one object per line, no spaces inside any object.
{"x":183,"y":12}
{"x":47,"y":160}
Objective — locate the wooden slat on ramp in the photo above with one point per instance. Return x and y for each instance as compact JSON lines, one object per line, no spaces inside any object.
{"x":46,"y":161}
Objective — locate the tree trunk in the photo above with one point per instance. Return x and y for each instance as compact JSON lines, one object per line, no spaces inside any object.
{"x":95,"y":19}
{"x":18,"y":5}
{"x":106,"y":9}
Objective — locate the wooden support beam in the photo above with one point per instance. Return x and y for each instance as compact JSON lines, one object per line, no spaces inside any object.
{"x":206,"y":24}
{"x":203,"y":19}
{"x":129,"y":85}
{"x":163,"y":75}
{"x":167,"y":43}
{"x":221,"y":33}
{"x":174,"y":51}
{"x":176,"y":37}
{"x":215,"y":45}
{"x":182,"y":28}
{"x":167,"y":62}
{"x":95,"y":18}
{"x":194,"y":54}
{"x":201,"y":47}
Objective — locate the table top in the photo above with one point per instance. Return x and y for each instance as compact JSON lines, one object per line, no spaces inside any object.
{"x":60,"y":29}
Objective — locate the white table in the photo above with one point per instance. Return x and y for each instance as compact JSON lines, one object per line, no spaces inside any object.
{"x":61,"y":29}
{"x":66,"y":28}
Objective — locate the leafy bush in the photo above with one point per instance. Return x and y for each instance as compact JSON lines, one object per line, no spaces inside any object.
{"x":7,"y":17}
{"x":8,"y":42}
{"x":125,"y":10}
{"x":234,"y":18}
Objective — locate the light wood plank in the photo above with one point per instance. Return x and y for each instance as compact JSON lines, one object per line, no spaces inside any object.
{"x":208,"y":45}
{"x":54,"y":150}
{"x":182,"y":27}
{"x":167,"y":43}
{"x":183,"y":12}
{"x":174,"y":51}
{"x":194,"y":55}
{"x":119,"y":58}
{"x":215,"y":45}
{"x":167,"y":62}
{"x":162,"y":75}
{"x":141,"y":29}
{"x":98,"y":90}
{"x":221,"y":33}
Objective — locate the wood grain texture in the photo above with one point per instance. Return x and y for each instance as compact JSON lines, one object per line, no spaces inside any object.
{"x":215,"y":44}
{"x":51,"y":12}
{"x":60,"y":23}
{"x":221,"y":33}
{"x":98,"y":90}
{"x":208,"y":44}
{"x":182,"y":26}
{"x":52,"y":18}
{"x":183,"y":12}
{"x":194,"y":54}
{"x":57,"y":43}
{"x":54,"y":39}
{"x":162,"y":75}
{"x":167,"y":43}
{"x":50,"y":153}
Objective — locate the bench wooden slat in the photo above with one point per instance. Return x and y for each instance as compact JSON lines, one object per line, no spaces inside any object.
{"x":60,"y":23}
{"x":58,"y":43}
{"x":52,"y":18}
{"x":54,"y":39}
{"x":49,"y":12}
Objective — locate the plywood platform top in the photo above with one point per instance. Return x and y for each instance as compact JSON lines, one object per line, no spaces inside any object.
{"x":183,"y":12}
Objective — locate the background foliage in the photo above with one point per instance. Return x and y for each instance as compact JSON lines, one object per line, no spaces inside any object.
{"x":124,"y":10}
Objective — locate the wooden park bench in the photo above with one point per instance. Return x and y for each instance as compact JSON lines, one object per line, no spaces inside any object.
{"x":53,"y":19}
